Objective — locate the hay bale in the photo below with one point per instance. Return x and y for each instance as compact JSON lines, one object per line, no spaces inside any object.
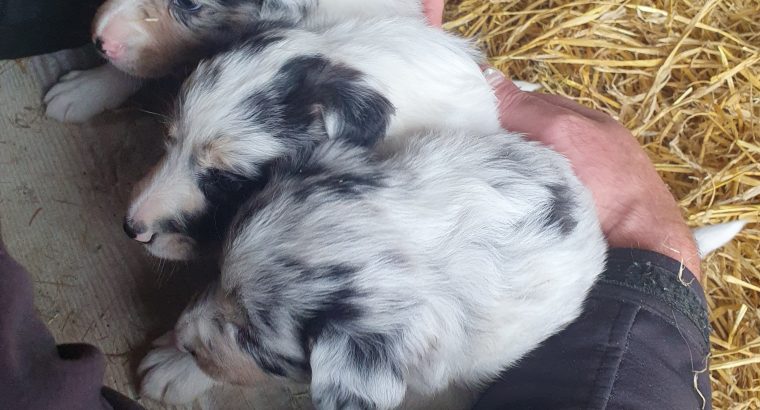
{"x":684,"y":76}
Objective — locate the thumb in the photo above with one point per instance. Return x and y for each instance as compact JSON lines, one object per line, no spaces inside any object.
{"x":519,"y":111}
{"x":498,"y":81}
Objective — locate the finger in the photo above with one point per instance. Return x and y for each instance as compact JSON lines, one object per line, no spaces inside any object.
{"x":509,"y":97}
{"x":506,"y":89}
{"x":434,"y":11}
{"x":523,"y":112}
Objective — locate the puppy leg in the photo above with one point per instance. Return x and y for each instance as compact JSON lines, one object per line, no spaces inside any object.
{"x":80,"y":95}
{"x":355,"y":372}
{"x":171,"y":376}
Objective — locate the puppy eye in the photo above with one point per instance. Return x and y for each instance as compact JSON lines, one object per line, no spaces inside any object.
{"x":220,"y":187}
{"x":186,"y":5}
{"x":229,"y":183}
{"x":226,"y":181}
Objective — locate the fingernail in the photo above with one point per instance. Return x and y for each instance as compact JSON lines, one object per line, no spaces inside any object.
{"x":493,"y":76}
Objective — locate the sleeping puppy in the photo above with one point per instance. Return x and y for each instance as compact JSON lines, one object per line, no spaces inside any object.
{"x":148,"y":38}
{"x":372,"y":276}
{"x":283,"y":91}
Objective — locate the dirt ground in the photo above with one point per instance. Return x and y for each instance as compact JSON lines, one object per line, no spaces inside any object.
{"x":63,"y":194}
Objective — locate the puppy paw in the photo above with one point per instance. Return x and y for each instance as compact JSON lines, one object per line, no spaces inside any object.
{"x":80,"y":95}
{"x":171,"y":376}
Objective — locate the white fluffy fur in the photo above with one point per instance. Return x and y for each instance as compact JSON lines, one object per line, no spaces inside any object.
{"x":171,"y":376}
{"x":433,"y":83}
{"x":80,"y":95}
{"x":455,"y":256}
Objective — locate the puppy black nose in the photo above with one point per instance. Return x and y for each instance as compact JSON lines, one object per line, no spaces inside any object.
{"x":138,"y":231}
{"x":129,"y":229}
{"x":99,"y":45}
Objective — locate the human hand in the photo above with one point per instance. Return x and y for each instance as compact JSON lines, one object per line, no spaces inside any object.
{"x":634,"y":205}
{"x":433,"y":11}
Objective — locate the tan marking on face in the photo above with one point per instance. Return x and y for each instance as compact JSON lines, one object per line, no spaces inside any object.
{"x":154,"y":41}
{"x":227,"y":363}
{"x":217,"y":154}
{"x":166,"y":193}
{"x":172,"y":44}
{"x":221,"y":356}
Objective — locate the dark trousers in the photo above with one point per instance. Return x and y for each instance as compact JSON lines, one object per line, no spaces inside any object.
{"x":30,"y":27}
{"x":641,"y":343}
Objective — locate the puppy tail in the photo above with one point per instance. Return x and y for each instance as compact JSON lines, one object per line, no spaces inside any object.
{"x":712,"y":237}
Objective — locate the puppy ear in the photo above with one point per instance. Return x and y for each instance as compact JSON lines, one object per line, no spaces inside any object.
{"x":334,"y":96}
{"x":352,"y":110}
{"x":351,"y":371}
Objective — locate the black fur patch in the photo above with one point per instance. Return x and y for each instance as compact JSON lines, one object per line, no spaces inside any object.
{"x":365,"y":353}
{"x":307,"y":87}
{"x":370,"y":352}
{"x":264,"y":34}
{"x":560,"y":213}
{"x":341,"y":185}
{"x":314,"y":81}
{"x":271,"y":362}
{"x":248,"y":340}
{"x":313,"y":169}
{"x":218,"y":185}
{"x":339,"y":307}
{"x":224,"y":192}
{"x":170,"y":226}
{"x":334,"y":397}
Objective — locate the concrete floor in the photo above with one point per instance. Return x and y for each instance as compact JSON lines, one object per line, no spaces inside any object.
{"x":63,"y":193}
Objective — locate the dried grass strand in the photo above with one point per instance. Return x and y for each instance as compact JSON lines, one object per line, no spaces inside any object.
{"x":684,"y":76}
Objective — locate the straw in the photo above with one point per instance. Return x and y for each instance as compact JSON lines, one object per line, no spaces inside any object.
{"x":684,"y":76}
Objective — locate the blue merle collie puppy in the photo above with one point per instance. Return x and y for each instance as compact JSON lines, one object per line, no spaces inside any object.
{"x":285,"y":90}
{"x":148,"y":38}
{"x":374,"y":275}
